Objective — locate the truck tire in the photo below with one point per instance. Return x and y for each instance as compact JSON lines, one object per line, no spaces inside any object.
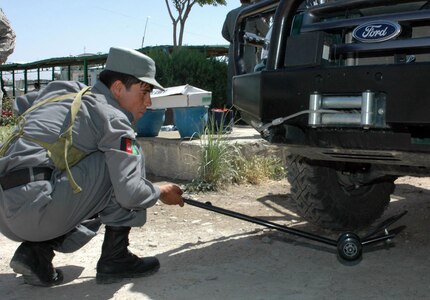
{"x":330,"y":197}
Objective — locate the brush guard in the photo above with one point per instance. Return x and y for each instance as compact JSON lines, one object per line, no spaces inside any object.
{"x":349,"y":245}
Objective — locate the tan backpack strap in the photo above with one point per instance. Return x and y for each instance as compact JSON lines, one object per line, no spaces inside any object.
{"x":21,"y":122}
{"x":12,"y":138}
{"x":67,"y":136}
{"x":53,"y":99}
{"x":65,"y":140}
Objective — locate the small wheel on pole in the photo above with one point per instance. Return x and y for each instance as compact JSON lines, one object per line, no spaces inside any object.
{"x":349,"y":246}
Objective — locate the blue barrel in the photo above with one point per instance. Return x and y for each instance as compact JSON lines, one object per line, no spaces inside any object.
{"x":190,"y":121}
{"x":220,"y":120}
{"x":150,"y":123}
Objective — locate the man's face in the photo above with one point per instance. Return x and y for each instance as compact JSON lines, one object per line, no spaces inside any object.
{"x":135,"y":99}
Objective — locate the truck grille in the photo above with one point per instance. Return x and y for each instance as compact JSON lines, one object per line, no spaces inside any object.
{"x":338,"y":20}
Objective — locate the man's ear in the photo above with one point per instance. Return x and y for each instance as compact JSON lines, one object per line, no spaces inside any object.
{"x":116,"y":88}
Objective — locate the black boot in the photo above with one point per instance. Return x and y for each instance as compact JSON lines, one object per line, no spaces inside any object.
{"x":34,"y":261}
{"x":116,"y":262}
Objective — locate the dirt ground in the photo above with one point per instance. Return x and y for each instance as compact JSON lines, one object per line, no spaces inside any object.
{"x":205,"y":255}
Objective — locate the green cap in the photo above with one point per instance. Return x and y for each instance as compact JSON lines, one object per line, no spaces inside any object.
{"x":132,"y":62}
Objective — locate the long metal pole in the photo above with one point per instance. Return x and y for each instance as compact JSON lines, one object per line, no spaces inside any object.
{"x":261,"y":222}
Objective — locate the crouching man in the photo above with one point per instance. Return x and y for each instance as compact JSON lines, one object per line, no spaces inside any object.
{"x":73,"y":164}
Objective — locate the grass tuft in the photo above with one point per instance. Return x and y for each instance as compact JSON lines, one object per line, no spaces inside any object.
{"x":223,"y":163}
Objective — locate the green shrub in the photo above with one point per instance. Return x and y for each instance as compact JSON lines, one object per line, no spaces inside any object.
{"x":7,"y":118}
{"x":190,"y":66}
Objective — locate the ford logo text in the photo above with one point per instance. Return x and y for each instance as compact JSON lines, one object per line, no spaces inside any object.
{"x":376,"y":31}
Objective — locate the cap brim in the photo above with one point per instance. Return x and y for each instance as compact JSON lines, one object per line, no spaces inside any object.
{"x":152,"y":82}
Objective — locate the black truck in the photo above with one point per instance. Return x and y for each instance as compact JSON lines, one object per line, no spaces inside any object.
{"x":345,"y":86}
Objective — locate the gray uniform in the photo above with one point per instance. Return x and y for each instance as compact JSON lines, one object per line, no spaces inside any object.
{"x":112,"y":180}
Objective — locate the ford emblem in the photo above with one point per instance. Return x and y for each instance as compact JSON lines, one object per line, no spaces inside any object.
{"x":376,"y":31}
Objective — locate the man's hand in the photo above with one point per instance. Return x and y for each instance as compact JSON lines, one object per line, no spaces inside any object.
{"x":170,"y":194}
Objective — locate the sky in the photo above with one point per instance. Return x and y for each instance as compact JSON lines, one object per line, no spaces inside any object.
{"x":59,"y":28}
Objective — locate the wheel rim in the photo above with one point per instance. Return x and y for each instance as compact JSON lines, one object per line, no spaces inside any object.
{"x":350,"y":184}
{"x":350,"y":249}
{"x":349,"y":246}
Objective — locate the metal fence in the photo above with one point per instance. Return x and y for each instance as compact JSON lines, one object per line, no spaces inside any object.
{"x":71,"y":68}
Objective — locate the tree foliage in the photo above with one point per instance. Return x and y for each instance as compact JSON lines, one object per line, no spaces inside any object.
{"x":183,"y":9}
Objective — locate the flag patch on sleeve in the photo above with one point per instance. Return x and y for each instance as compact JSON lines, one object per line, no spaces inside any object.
{"x":129,"y":145}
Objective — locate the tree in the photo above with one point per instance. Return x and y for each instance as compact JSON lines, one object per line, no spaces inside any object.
{"x":183,"y":7}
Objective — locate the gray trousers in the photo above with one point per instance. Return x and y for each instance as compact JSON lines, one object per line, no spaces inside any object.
{"x":43,"y":210}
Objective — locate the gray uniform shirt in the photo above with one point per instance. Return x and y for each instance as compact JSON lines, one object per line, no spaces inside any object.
{"x":99,"y":127}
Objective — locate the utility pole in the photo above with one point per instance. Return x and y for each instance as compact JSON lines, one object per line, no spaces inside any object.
{"x":144,"y":31}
